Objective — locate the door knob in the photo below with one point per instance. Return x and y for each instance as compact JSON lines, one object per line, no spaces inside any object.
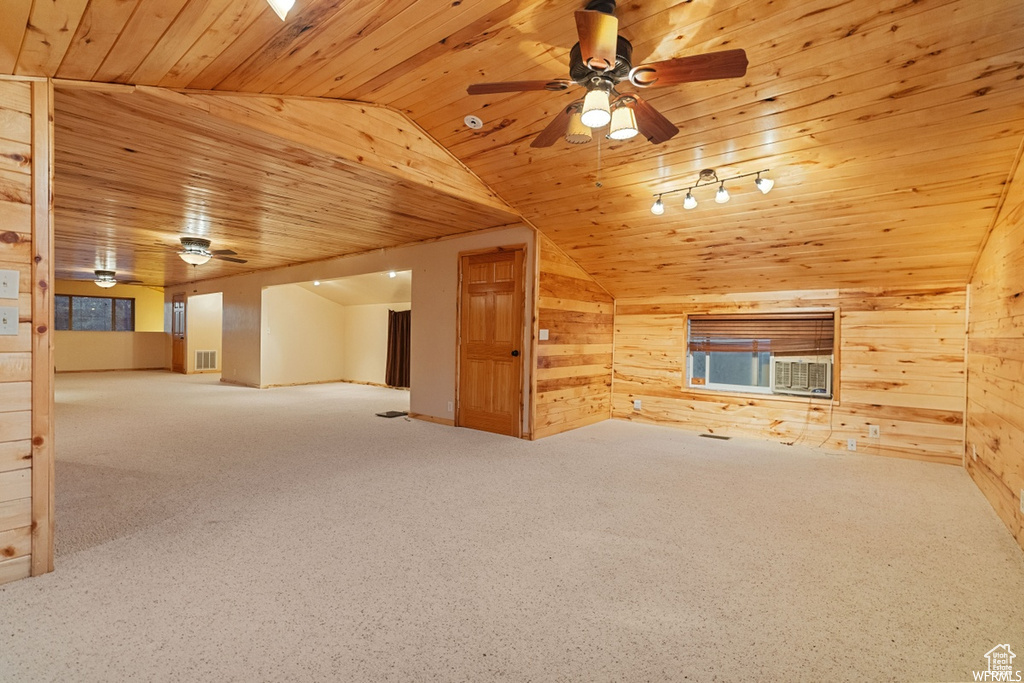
{"x":515,"y":353}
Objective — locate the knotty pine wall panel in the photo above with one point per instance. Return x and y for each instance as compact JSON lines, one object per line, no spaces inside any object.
{"x":574,"y":365}
{"x":900,"y":366}
{"x":26,"y":367}
{"x":995,"y":364}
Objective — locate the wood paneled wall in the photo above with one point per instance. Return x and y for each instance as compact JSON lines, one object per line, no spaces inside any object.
{"x":574,"y":365}
{"x":26,"y":365}
{"x":901,"y":367}
{"x":995,"y":364}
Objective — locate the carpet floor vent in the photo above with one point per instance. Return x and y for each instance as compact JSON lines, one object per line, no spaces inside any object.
{"x":392,"y":413}
{"x":715,"y":436}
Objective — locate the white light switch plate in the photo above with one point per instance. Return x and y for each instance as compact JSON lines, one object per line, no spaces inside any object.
{"x":9,"y":281}
{"x":636,"y":404}
{"x":543,"y":335}
{"x":873,"y":432}
{"x":9,"y":320}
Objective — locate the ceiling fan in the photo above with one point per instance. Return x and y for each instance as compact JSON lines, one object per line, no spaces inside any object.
{"x":196,"y":251}
{"x":601,"y":60}
{"x":108,"y":278}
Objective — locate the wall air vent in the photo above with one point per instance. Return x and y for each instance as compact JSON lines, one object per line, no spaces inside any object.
{"x":206,"y":360}
{"x":801,"y":377}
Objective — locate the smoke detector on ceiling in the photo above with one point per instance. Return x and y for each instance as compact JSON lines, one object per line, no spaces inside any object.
{"x":473,"y":122}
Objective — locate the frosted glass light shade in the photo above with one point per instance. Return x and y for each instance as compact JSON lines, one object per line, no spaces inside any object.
{"x":596,"y":109}
{"x":195,"y":257}
{"x":658,"y":208}
{"x":623,"y":124}
{"x":722,"y":196}
{"x":764,"y":184}
{"x":105,"y":284}
{"x":281,"y":7}
{"x":689,"y":202}
{"x":576,"y":133}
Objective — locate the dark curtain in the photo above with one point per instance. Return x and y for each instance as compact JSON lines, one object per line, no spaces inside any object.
{"x":397,"y":372}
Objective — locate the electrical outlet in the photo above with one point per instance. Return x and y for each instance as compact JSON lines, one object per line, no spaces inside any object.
{"x":449,"y":406}
{"x":636,"y":404}
{"x":851,"y":444}
{"x":874,"y":432}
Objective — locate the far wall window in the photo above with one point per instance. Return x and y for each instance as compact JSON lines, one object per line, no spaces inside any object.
{"x":785,"y":353}
{"x":93,"y":313}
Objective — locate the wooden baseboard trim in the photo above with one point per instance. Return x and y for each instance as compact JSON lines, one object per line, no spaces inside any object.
{"x":239,"y":384}
{"x":430,"y":418}
{"x":71,"y":372}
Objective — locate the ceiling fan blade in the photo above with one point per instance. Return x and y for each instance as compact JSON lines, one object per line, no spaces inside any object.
{"x":556,"y":85}
{"x":555,"y":129}
{"x":599,"y":35}
{"x":230,"y":258}
{"x":705,"y":67}
{"x":224,"y":252}
{"x":650,"y":121}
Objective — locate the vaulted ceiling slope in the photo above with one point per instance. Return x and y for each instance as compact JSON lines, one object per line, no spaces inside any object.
{"x":890,"y":126}
{"x":279,"y":182}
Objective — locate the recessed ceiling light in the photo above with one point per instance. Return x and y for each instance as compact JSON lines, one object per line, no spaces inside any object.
{"x":473,"y":122}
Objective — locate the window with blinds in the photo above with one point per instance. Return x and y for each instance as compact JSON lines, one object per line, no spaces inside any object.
{"x":737,"y":352}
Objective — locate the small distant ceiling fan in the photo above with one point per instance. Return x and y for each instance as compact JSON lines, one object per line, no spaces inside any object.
{"x":600,"y":61}
{"x":196,"y":251}
{"x":108,"y":278}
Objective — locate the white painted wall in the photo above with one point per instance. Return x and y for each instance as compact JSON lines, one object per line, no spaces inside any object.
{"x":366,"y":341}
{"x":204,"y":315}
{"x":303,"y":337}
{"x":435,"y":267}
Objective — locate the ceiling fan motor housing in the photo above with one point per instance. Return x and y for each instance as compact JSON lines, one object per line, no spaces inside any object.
{"x":581,"y":73}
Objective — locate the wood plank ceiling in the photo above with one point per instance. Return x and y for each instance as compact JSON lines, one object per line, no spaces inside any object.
{"x":890,"y":127}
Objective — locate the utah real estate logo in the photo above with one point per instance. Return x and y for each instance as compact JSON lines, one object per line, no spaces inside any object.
{"x":1000,"y":665}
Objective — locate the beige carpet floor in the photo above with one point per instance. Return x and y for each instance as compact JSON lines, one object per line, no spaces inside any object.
{"x":214,"y":533}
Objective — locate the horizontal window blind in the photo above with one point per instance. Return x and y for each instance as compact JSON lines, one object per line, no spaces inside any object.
{"x":781,"y":334}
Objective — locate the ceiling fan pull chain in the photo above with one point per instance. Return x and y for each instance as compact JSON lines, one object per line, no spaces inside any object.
{"x":598,"y":183}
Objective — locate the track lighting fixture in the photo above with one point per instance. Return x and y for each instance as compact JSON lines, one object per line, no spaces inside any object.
{"x":708,"y":176}
{"x":281,"y":7}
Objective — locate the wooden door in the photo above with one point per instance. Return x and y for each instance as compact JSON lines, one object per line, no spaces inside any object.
{"x":178,"y":333}
{"x":490,"y":342}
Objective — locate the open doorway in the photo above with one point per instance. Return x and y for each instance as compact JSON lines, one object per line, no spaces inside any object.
{"x":331,"y":330}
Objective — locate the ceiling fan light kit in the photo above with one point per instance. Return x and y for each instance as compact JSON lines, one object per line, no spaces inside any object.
{"x":597,"y":108}
{"x":195,"y":251}
{"x":105,"y":278}
{"x":709,"y":176}
{"x":602,"y":60}
{"x":577,"y":133}
{"x":623,"y":123}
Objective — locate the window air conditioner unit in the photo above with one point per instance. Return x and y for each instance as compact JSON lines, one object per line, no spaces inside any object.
{"x":801,"y":377}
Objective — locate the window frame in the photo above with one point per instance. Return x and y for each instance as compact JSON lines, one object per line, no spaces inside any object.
{"x":113,"y":312}
{"x":757,"y":391}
